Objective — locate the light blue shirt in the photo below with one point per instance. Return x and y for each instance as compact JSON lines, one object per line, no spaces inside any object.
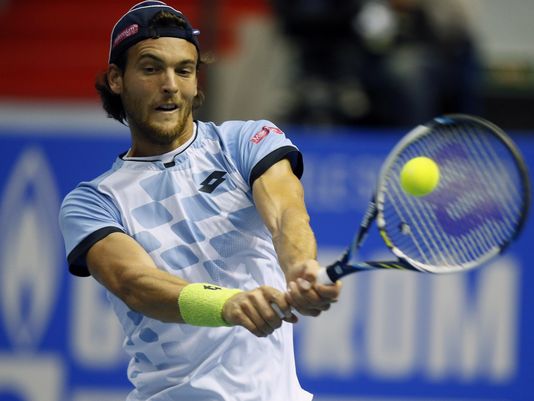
{"x":194,"y":214}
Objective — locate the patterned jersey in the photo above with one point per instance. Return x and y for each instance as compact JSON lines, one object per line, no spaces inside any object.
{"x":194,"y":214}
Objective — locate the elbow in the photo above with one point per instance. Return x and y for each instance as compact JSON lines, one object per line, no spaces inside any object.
{"x":140,"y":291}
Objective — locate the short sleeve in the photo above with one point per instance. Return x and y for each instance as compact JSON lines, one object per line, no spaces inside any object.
{"x":86,"y":216}
{"x":257,"y":145}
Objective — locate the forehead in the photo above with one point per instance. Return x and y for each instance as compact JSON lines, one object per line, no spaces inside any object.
{"x":165,"y":48}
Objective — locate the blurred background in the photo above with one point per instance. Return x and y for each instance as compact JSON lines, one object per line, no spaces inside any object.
{"x":348,"y":62}
{"x":345,"y":79}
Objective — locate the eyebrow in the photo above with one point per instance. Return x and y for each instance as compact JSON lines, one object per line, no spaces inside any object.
{"x":155,"y":58}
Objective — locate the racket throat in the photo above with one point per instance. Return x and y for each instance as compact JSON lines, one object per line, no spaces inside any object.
{"x":343,"y":268}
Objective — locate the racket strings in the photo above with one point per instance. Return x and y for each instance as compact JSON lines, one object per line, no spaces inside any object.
{"x":426,"y":231}
{"x":476,"y":207}
{"x":425,"y":236}
{"x":499,"y":183}
{"x":495,"y":167}
{"x":427,"y":244}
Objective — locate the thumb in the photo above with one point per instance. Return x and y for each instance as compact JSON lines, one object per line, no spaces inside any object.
{"x":311,"y":269}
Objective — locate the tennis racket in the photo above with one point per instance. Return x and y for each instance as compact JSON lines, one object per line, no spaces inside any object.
{"x":478,"y":207}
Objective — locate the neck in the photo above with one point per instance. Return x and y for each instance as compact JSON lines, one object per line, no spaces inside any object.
{"x":143,"y":146}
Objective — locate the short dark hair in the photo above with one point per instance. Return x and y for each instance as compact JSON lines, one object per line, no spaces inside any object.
{"x":111,"y":102}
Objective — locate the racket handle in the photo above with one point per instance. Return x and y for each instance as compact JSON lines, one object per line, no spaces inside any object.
{"x":278,"y":311}
{"x":323,"y":277}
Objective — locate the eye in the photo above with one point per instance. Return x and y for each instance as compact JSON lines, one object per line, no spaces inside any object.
{"x":149,"y":69}
{"x":185,"y":72}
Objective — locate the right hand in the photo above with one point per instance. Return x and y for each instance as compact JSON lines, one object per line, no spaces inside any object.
{"x":307,"y":296}
{"x":253,"y":310}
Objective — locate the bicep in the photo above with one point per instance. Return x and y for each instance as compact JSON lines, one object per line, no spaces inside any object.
{"x":276,"y":192}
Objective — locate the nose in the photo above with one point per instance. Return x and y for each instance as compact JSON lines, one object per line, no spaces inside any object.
{"x":170,"y":84}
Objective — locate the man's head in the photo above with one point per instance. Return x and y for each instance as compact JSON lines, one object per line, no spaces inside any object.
{"x":153,"y":64}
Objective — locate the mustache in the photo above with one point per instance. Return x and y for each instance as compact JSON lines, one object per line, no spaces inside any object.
{"x":176,"y":102}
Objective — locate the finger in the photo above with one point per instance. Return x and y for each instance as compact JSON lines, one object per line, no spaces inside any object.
{"x":303,"y":284}
{"x":283,"y":309}
{"x":281,"y":302}
{"x":248,"y":324}
{"x":286,"y":315}
{"x":329,"y":292}
{"x":309,"y":271}
{"x":299,"y":301}
{"x":310,"y":302}
{"x":261,"y":327}
{"x":278,"y":311}
{"x":310,"y":296}
{"x":262,"y":302}
{"x":292,"y":318}
{"x":238,"y":316}
{"x":295,"y":297}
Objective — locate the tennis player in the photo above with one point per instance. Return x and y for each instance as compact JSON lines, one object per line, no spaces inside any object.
{"x":198,"y":232}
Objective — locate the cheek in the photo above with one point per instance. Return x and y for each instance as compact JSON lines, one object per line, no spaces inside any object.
{"x":189,"y":89}
{"x":140,"y":89}
{"x":138,"y":93}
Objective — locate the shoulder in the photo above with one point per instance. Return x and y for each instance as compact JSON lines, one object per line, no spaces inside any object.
{"x":239,"y":129}
{"x":254,"y":146}
{"x":87,"y":191}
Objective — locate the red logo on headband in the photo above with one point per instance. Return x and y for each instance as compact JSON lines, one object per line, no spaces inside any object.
{"x":131,"y":30}
{"x":258,"y":136}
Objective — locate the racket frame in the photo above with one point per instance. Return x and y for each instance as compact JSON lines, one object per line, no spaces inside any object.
{"x":375,"y":211}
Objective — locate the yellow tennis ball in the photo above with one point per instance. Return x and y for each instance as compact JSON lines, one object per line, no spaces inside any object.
{"x":419,"y":176}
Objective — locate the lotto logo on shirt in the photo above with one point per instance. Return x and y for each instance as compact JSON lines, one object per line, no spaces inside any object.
{"x":258,"y":136}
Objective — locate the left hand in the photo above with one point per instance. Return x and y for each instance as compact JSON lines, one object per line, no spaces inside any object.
{"x":254,"y":310}
{"x":304,"y":293}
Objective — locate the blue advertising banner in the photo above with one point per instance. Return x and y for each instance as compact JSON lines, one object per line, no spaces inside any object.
{"x":393,"y":335}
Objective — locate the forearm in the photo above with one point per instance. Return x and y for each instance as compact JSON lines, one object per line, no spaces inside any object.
{"x":279,"y":198}
{"x":294,"y":240}
{"x":153,"y":293}
{"x":122,"y":266}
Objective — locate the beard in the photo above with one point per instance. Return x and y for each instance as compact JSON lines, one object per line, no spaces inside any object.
{"x":156,"y":132}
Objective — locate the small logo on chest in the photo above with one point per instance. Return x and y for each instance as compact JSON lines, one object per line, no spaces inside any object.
{"x":212,"y":181}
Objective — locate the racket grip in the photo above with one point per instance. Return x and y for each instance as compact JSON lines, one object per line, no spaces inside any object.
{"x":323,"y":277}
{"x":278,"y":311}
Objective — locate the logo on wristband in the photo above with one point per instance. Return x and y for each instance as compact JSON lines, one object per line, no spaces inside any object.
{"x":212,"y":287}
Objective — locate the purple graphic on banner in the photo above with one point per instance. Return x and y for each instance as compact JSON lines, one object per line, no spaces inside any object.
{"x":463,"y":194}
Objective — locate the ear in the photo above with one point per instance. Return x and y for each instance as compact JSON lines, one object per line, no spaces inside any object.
{"x":114,"y":75}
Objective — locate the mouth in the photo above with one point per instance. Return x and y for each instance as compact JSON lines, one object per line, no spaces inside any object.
{"x":167,"y":107}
